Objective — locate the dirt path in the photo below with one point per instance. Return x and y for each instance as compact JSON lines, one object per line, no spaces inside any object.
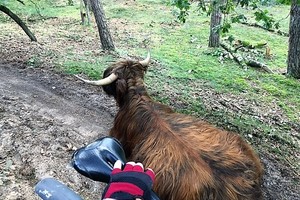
{"x":44,"y":116}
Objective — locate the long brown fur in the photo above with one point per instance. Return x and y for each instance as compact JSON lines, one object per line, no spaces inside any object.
{"x":192,"y":159}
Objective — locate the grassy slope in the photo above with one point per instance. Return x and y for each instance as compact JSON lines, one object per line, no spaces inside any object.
{"x":171,"y":45}
{"x":184,"y":68}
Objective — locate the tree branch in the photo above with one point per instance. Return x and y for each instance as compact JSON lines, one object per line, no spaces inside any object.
{"x":21,"y":2}
{"x":245,"y":62}
{"x":19,"y":22}
{"x":279,"y":32}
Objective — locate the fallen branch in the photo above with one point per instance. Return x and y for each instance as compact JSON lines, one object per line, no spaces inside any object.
{"x":279,"y":32}
{"x":43,"y":18}
{"x":256,"y":64}
{"x":232,"y":55}
{"x":243,"y":61}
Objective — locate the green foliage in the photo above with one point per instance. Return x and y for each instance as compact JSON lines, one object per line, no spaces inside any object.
{"x":230,"y":39}
{"x":183,"y":6}
{"x":245,"y":3}
{"x":227,"y":9}
{"x":284,"y":2}
{"x":238,"y":18}
{"x":70,"y":3}
{"x":226,"y":26}
{"x":34,"y":61}
{"x":268,"y":21}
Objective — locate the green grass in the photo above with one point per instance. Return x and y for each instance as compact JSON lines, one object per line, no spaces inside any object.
{"x":184,"y":59}
{"x":43,"y":8}
{"x":74,"y":64}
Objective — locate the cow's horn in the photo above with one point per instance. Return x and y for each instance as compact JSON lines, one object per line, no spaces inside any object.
{"x":111,"y":78}
{"x":146,"y":62}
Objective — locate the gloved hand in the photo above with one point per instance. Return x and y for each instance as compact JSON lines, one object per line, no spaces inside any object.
{"x":130,"y":183}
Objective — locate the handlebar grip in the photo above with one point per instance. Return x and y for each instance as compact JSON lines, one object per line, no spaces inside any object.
{"x":51,"y":189}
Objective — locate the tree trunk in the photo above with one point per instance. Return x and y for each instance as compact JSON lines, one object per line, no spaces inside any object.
{"x":105,"y":37}
{"x":85,"y":12}
{"x":82,"y":13}
{"x":18,"y":21}
{"x":215,"y":23}
{"x":293,"y":68}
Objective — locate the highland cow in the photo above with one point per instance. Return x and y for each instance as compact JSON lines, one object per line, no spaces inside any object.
{"x":192,"y":159}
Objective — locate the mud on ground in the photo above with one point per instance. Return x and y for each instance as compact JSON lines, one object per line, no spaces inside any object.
{"x":44,"y":117}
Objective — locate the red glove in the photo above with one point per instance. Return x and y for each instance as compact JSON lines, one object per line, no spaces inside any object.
{"x":130,"y":183}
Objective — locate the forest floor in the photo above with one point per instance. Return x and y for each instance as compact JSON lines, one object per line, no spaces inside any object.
{"x":46,"y":114}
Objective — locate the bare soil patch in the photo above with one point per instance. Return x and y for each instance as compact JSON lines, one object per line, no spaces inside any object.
{"x":44,"y":117}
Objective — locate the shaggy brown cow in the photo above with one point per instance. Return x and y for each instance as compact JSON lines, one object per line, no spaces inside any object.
{"x":192,"y":159}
